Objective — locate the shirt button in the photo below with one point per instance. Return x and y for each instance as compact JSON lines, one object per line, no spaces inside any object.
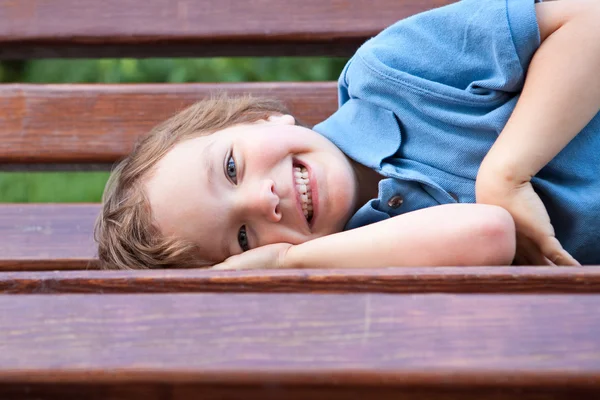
{"x":395,"y":201}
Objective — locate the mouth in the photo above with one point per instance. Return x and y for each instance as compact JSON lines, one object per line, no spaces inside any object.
{"x":303,"y":190}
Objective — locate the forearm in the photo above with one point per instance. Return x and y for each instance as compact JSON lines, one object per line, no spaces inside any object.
{"x":560,"y":96}
{"x":457,"y":234}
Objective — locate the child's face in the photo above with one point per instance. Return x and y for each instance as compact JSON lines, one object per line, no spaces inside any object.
{"x":240,"y":188}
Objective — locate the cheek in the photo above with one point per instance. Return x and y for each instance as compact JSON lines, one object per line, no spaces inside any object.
{"x":343,"y":197}
{"x":271,"y":147}
{"x":342,"y":192}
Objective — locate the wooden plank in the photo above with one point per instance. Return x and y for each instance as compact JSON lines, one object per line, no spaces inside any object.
{"x":382,"y":280}
{"x":47,"y":236}
{"x":185,"y":345}
{"x":116,"y":28}
{"x":50,"y":237}
{"x":59,"y":237}
{"x":98,"y":124}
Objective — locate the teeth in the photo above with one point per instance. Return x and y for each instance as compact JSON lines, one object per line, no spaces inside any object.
{"x":303,"y":188}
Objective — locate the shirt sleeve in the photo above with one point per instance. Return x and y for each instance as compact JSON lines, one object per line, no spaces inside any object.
{"x":474,"y":46}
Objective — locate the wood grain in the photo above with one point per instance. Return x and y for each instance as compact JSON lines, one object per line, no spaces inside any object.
{"x":383,"y":280}
{"x":47,"y":236}
{"x":116,"y":28}
{"x":185,"y":391}
{"x":496,"y":346}
{"x":98,"y":124}
{"x":59,"y":237}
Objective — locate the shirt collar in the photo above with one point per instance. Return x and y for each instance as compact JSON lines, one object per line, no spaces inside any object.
{"x":363,"y":131}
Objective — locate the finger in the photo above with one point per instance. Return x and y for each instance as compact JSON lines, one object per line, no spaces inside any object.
{"x":566,"y":259}
{"x":538,"y":258}
{"x":235,"y":266}
{"x":520,"y":260}
{"x":233,"y":263}
{"x":222,"y":267}
{"x":554,"y":251}
{"x":531,"y":251}
{"x":520,"y":256}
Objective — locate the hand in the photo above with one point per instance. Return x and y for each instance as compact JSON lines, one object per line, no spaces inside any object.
{"x":536,"y":241}
{"x":270,"y":256}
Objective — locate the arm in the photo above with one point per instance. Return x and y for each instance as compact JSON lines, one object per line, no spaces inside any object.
{"x":560,"y":96}
{"x":453,"y":234}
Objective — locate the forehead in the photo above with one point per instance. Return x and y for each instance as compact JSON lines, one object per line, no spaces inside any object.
{"x":183,"y":202}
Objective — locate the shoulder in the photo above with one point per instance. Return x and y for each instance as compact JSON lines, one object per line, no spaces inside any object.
{"x":447,"y":52}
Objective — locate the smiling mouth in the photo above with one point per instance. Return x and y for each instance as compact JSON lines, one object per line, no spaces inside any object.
{"x":302,"y":183}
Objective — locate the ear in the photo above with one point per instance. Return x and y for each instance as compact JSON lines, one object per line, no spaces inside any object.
{"x":285,"y":119}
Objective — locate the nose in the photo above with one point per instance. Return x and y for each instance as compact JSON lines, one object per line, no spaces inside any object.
{"x":262,"y":201}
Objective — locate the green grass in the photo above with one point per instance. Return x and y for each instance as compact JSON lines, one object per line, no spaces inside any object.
{"x":88,"y":186}
{"x":51,"y":187}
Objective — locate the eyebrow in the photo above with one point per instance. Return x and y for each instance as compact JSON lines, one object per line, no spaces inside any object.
{"x":208,"y":164}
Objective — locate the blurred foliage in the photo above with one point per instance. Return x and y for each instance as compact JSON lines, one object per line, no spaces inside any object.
{"x":176,"y":70}
{"x":88,"y":186}
{"x":51,"y":187}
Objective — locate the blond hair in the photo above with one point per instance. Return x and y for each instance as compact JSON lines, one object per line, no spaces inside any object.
{"x":126,"y":235}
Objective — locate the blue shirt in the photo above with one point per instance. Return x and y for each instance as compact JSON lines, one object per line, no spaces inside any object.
{"x":423,"y":102}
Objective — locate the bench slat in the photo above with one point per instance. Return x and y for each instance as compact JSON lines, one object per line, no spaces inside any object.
{"x":98,"y":124}
{"x":510,"y":344}
{"x":114,"y":28}
{"x":47,"y":236}
{"x":52,"y":237}
{"x":385,"y":280}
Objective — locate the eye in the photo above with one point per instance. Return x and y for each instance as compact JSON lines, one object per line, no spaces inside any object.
{"x":243,"y":238}
{"x":231,"y":169}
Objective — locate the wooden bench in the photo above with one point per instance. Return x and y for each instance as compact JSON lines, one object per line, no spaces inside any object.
{"x":499,"y":280}
{"x":297,"y":346}
{"x":68,"y":331}
{"x":95,"y":125}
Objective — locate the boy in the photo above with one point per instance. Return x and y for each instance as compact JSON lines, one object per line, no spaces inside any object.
{"x":434,"y":111}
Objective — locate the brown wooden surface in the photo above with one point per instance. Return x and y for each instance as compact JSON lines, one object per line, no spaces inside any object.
{"x":382,"y":280}
{"x":184,"y":391}
{"x":98,"y":124}
{"x":46,"y":236}
{"x":410,"y":344}
{"x":116,"y":28}
{"x":152,"y":391}
{"x":58,"y":237}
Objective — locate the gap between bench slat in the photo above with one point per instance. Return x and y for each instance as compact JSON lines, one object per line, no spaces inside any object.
{"x":113,"y":28}
{"x":382,"y":280}
{"x":474,"y":343}
{"x":98,"y":124}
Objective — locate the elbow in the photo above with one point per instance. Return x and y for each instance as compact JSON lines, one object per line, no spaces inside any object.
{"x":496,"y":237}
